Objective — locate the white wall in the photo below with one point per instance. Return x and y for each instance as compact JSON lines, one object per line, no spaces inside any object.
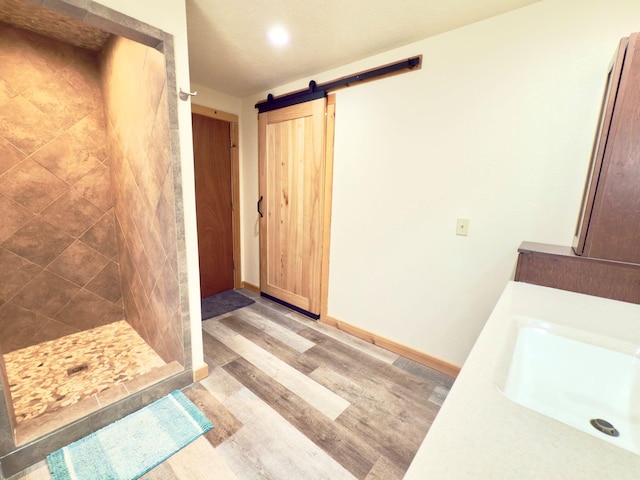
{"x":170,"y":16}
{"x":210,"y":98}
{"x":496,"y":127}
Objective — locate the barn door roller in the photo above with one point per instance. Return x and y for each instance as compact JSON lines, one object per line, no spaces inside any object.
{"x":316,"y":91}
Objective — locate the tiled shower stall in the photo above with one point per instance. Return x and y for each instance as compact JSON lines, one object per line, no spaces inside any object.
{"x":88,"y":187}
{"x":58,"y":249}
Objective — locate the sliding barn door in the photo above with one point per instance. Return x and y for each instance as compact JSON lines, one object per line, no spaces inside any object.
{"x":293,"y":167}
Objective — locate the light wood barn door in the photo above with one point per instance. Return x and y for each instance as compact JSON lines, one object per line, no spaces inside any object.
{"x":293,"y":188}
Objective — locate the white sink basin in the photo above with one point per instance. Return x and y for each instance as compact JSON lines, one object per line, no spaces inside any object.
{"x":576,"y":377}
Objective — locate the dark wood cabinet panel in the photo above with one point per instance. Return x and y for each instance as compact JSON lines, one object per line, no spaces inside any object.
{"x":559,"y":267}
{"x":609,"y":223}
{"x":605,"y":258}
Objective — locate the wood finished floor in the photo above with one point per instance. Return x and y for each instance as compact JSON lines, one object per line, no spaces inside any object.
{"x":295,"y":399}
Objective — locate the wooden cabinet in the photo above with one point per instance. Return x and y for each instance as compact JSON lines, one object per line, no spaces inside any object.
{"x":559,"y":267}
{"x":609,"y":223}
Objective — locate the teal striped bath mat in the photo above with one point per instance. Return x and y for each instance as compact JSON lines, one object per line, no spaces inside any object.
{"x":130,"y":447}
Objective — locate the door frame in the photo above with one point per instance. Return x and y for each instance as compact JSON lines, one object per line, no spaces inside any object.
{"x":235,"y":182}
{"x":328,"y":203}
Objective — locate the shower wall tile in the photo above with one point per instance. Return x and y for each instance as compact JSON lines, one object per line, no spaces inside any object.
{"x":51,"y":331}
{"x":134,"y":240}
{"x":58,"y":250}
{"x":82,"y":71}
{"x":31,"y":185}
{"x":113,"y":313}
{"x":173,"y":338}
{"x":159,"y":156}
{"x":168,"y":287}
{"x":77,"y":151}
{"x":134,"y":90}
{"x":79,"y":263}
{"x":164,"y":220}
{"x":56,"y":54}
{"x":146,"y":110}
{"x":126,"y":262}
{"x":14,"y":217}
{"x":25,"y":125}
{"x":153,"y":246}
{"x":150,"y":188}
{"x":16,"y":273}
{"x":38,"y":241}
{"x":6,"y":92}
{"x":21,"y":65}
{"x":132,"y":314}
{"x":58,"y":292}
{"x":107,"y":283}
{"x":102,"y":236}
{"x":139,"y":295}
{"x":18,"y":325}
{"x":147,"y":276}
{"x":46,"y":98}
{"x":95,"y":186}
{"x":122,"y":61}
{"x":9,"y":156}
{"x":85,"y":311}
{"x":72,"y":213}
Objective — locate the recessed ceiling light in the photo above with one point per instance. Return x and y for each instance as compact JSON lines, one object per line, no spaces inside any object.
{"x":278,"y":36}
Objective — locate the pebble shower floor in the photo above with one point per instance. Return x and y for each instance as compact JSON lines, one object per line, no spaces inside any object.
{"x":55,"y":374}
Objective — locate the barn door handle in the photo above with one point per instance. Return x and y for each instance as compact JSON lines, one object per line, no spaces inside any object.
{"x":259,"y":202}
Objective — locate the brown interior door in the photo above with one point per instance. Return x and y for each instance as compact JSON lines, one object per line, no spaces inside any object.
{"x":212,"y":166}
{"x":292,"y":180}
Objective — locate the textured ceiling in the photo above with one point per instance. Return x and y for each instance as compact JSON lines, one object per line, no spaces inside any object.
{"x":51,"y":24}
{"x":228,"y":51}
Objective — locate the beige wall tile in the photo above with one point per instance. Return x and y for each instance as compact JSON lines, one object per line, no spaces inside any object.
{"x":39,"y":242}
{"x":59,"y":292}
{"x":102,"y":236}
{"x":25,"y":125}
{"x":51,"y":98}
{"x":31,"y":186}
{"x":60,"y":100}
{"x":16,"y":273}
{"x":6,"y":92}
{"x":72,"y":213}
{"x":84,"y":311}
{"x":107,"y":283}
{"x":79,"y":263}
{"x":95,"y":186}
{"x":77,"y":151}
{"x":18,"y":326}
{"x":9,"y":155}
{"x":14,"y":217}
{"x":23,"y":64}
{"x":134,"y":91}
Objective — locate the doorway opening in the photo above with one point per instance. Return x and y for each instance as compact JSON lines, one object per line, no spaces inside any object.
{"x":217,"y":186}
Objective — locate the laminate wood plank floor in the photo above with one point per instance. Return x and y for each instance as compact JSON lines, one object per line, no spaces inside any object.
{"x":291,"y":398}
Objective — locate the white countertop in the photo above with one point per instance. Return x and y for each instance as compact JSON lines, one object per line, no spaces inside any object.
{"x":480,"y":434}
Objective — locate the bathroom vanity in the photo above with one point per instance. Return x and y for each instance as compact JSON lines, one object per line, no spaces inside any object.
{"x":505,"y":418}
